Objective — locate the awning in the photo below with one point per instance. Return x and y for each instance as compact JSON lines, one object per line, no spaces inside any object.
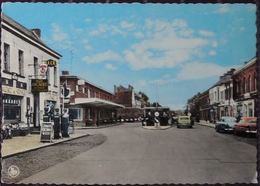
{"x":96,"y":102}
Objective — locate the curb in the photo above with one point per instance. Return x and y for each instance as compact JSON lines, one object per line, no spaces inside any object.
{"x":47,"y":145}
{"x":206,"y":125}
{"x":99,"y":127}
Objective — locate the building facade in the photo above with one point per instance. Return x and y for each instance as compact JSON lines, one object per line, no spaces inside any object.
{"x":23,"y":53}
{"x":130,"y":99}
{"x":88,"y":103}
{"x":244,"y":89}
{"x":203,"y":101}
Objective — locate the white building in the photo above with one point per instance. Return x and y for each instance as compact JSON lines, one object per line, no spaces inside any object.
{"x":23,"y":52}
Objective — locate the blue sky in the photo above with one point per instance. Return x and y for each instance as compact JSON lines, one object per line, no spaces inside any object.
{"x":168,"y":51}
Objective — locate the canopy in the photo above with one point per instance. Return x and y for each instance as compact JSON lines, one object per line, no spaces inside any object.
{"x":96,"y":102}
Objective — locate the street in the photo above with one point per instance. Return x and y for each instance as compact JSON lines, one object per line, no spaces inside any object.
{"x":133,"y":155}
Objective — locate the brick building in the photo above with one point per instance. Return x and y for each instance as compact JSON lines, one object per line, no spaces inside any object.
{"x":88,"y":103}
{"x":130,"y":99}
{"x":204,"y":107}
{"x":245,"y":92}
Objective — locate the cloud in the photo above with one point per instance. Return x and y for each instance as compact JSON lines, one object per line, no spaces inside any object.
{"x":102,"y":57}
{"x":223,"y":9}
{"x":59,"y":37}
{"x":139,"y":35}
{"x":86,"y":44}
{"x":100,"y":30}
{"x":110,"y":67}
{"x":127,"y":25}
{"x":88,"y":20}
{"x":199,"y":70}
{"x":206,"y":33}
{"x":212,"y":53}
{"x":164,"y":46}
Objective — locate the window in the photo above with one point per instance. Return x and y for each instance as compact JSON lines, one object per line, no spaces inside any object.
{"x":250,"y":110}
{"x":55,"y":76}
{"x":48,"y":75}
{"x":254,"y":80}
{"x":21,"y":62}
{"x":35,"y":66}
{"x":248,"y":84}
{"x":75,"y":113}
{"x":6,"y":57}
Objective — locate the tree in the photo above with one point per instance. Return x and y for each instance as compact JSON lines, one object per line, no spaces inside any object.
{"x":156,"y":104}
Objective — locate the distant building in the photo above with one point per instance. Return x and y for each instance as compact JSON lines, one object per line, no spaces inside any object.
{"x":23,"y":51}
{"x":88,"y":103}
{"x":127,"y":96}
{"x":204,"y":107}
{"x":245,"y":91}
{"x":130,"y":99}
{"x":221,"y":97}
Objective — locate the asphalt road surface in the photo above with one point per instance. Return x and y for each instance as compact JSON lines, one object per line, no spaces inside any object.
{"x":132,"y":155}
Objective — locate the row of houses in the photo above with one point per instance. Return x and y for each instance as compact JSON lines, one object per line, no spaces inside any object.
{"x":234,"y":94}
{"x":31,"y":82}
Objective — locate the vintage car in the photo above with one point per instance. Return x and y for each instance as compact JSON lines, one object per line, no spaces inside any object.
{"x":246,"y":126}
{"x":20,"y":129}
{"x":184,"y":121}
{"x":225,"y":124}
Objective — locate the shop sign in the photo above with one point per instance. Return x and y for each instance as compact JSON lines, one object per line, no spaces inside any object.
{"x":39,"y":85}
{"x":13,"y":91}
{"x":43,"y":69}
{"x":46,"y":132}
{"x":51,"y":63}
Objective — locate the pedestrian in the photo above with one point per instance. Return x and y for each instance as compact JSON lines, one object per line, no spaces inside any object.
{"x":65,"y":124}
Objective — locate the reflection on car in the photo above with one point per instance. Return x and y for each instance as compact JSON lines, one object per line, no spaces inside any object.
{"x":246,"y":126}
{"x":225,"y":124}
{"x":184,"y":121}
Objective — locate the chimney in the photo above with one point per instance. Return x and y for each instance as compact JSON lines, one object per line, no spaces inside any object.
{"x":37,"y":31}
{"x":65,"y":73}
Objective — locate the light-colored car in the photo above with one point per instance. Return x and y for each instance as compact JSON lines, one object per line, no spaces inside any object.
{"x":225,"y":124}
{"x":184,"y":121}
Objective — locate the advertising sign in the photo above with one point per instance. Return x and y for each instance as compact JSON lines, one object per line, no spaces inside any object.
{"x":51,"y":63}
{"x":43,"y":69}
{"x":46,"y":132}
{"x":39,"y":85}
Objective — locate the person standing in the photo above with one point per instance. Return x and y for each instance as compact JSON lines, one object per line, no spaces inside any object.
{"x":65,"y":123}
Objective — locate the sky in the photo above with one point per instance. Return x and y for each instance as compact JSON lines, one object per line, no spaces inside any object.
{"x":169,"y":51}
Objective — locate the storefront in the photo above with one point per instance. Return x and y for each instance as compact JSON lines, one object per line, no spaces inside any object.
{"x":12,"y":108}
{"x":93,"y":111}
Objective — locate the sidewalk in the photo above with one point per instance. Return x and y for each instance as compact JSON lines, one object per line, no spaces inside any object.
{"x":98,"y":127}
{"x":21,"y":144}
{"x":204,"y":123}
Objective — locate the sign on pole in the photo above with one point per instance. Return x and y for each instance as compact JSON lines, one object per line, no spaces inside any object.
{"x":43,"y":69}
{"x":39,"y":85}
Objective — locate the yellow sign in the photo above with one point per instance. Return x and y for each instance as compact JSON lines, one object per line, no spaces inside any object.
{"x":13,"y":91}
{"x":51,"y":63}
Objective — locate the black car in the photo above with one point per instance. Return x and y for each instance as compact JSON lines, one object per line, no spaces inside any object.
{"x":20,"y":129}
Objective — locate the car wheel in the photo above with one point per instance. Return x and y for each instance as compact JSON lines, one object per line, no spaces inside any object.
{"x":178,"y":126}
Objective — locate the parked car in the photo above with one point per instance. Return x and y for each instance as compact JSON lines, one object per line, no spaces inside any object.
{"x":246,"y":126}
{"x":20,"y":129}
{"x":7,"y":132}
{"x":184,"y":121}
{"x":225,"y":124}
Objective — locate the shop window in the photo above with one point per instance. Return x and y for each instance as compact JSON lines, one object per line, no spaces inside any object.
{"x":21,"y":62}
{"x":75,"y":113}
{"x":35,"y":66}
{"x":250,"y":109}
{"x":6,"y":57}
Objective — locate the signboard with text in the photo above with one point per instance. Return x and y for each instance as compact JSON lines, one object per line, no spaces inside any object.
{"x":39,"y":85}
{"x":51,"y":63}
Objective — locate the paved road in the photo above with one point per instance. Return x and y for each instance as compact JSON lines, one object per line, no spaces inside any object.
{"x":132,"y":155}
